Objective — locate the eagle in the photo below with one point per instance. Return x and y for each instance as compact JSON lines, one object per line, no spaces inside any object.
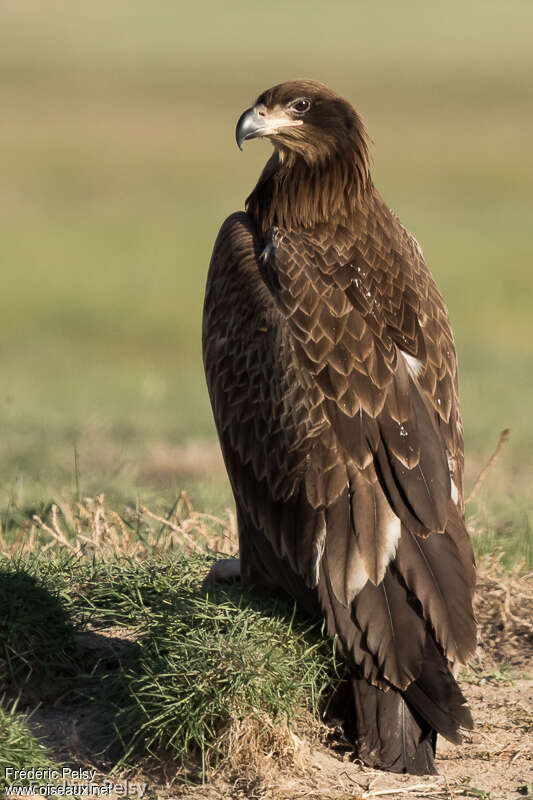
{"x":332,"y":374}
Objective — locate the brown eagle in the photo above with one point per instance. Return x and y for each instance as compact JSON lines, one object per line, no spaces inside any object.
{"x":332,"y":374}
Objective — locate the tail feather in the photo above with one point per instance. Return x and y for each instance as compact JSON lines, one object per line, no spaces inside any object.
{"x":397,"y":730}
{"x":436,"y":696}
{"x":388,"y":733}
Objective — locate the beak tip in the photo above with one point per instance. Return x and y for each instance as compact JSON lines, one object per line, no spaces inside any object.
{"x":248,"y":127}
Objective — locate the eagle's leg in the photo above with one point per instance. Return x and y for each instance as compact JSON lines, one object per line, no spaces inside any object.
{"x":224,"y":571}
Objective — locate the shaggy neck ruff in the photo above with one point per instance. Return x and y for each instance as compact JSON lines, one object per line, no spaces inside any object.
{"x":305,"y":189}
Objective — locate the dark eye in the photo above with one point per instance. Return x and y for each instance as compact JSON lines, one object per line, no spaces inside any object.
{"x":300,"y":106}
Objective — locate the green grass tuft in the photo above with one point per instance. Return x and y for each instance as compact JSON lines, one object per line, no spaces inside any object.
{"x":37,"y":643}
{"x":19,"y":749}
{"x":163,"y":667}
{"x":508,"y":528}
{"x":207,"y":662}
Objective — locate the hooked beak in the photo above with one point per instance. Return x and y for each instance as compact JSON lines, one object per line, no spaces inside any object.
{"x":257,"y":121}
{"x":250,"y":125}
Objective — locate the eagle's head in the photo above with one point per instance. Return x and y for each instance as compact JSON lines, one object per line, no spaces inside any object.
{"x":306,"y":118}
{"x":320,"y":170}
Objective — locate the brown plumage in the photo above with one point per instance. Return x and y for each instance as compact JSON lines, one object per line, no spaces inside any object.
{"x":332,"y":373}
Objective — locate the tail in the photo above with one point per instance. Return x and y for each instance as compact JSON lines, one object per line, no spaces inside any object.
{"x":396,"y":730}
{"x":389,"y":734}
{"x":391,"y":728}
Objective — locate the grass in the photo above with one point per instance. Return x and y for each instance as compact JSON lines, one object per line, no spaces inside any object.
{"x":165,"y":671}
{"x":19,"y":748}
{"x":105,"y":628}
{"x":505,"y":526}
{"x":503,"y":674}
{"x":206,"y":664}
{"x":36,"y":638}
{"x":498,"y":519}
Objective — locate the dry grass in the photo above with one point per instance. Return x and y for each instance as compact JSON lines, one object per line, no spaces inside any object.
{"x":503,"y":603}
{"x":504,"y":599}
{"x":258,"y":748}
{"x":89,"y":527}
{"x":481,"y":478}
{"x":504,"y":610}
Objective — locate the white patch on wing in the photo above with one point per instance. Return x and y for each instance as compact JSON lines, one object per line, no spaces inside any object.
{"x":414,"y":365}
{"x":357,"y":579}
{"x":453,"y":488}
{"x":455,"y":493}
{"x":393,"y":533}
{"x":319,"y":545}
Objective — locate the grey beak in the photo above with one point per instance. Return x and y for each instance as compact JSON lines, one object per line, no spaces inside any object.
{"x":249,"y":126}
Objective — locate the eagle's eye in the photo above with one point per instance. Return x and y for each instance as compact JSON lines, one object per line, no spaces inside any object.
{"x":300,"y":106}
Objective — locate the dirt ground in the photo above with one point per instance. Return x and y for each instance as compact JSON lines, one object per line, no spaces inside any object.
{"x":495,"y":761}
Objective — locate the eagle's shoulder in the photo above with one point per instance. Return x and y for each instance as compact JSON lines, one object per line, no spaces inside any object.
{"x":236,"y":238}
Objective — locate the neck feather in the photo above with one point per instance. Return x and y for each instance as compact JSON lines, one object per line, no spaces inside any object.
{"x":294,"y":193}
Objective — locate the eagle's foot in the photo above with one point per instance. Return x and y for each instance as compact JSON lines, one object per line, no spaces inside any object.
{"x":226,"y":571}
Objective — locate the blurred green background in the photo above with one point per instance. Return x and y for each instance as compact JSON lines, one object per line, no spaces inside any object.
{"x":118,"y":165}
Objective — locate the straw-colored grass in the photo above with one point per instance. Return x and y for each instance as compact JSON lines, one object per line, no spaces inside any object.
{"x":89,"y":527}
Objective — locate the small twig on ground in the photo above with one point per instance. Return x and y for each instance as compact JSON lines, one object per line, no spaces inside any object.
{"x":427,"y":788}
{"x":518,"y":752}
{"x":504,"y":436}
{"x":451,"y":793}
